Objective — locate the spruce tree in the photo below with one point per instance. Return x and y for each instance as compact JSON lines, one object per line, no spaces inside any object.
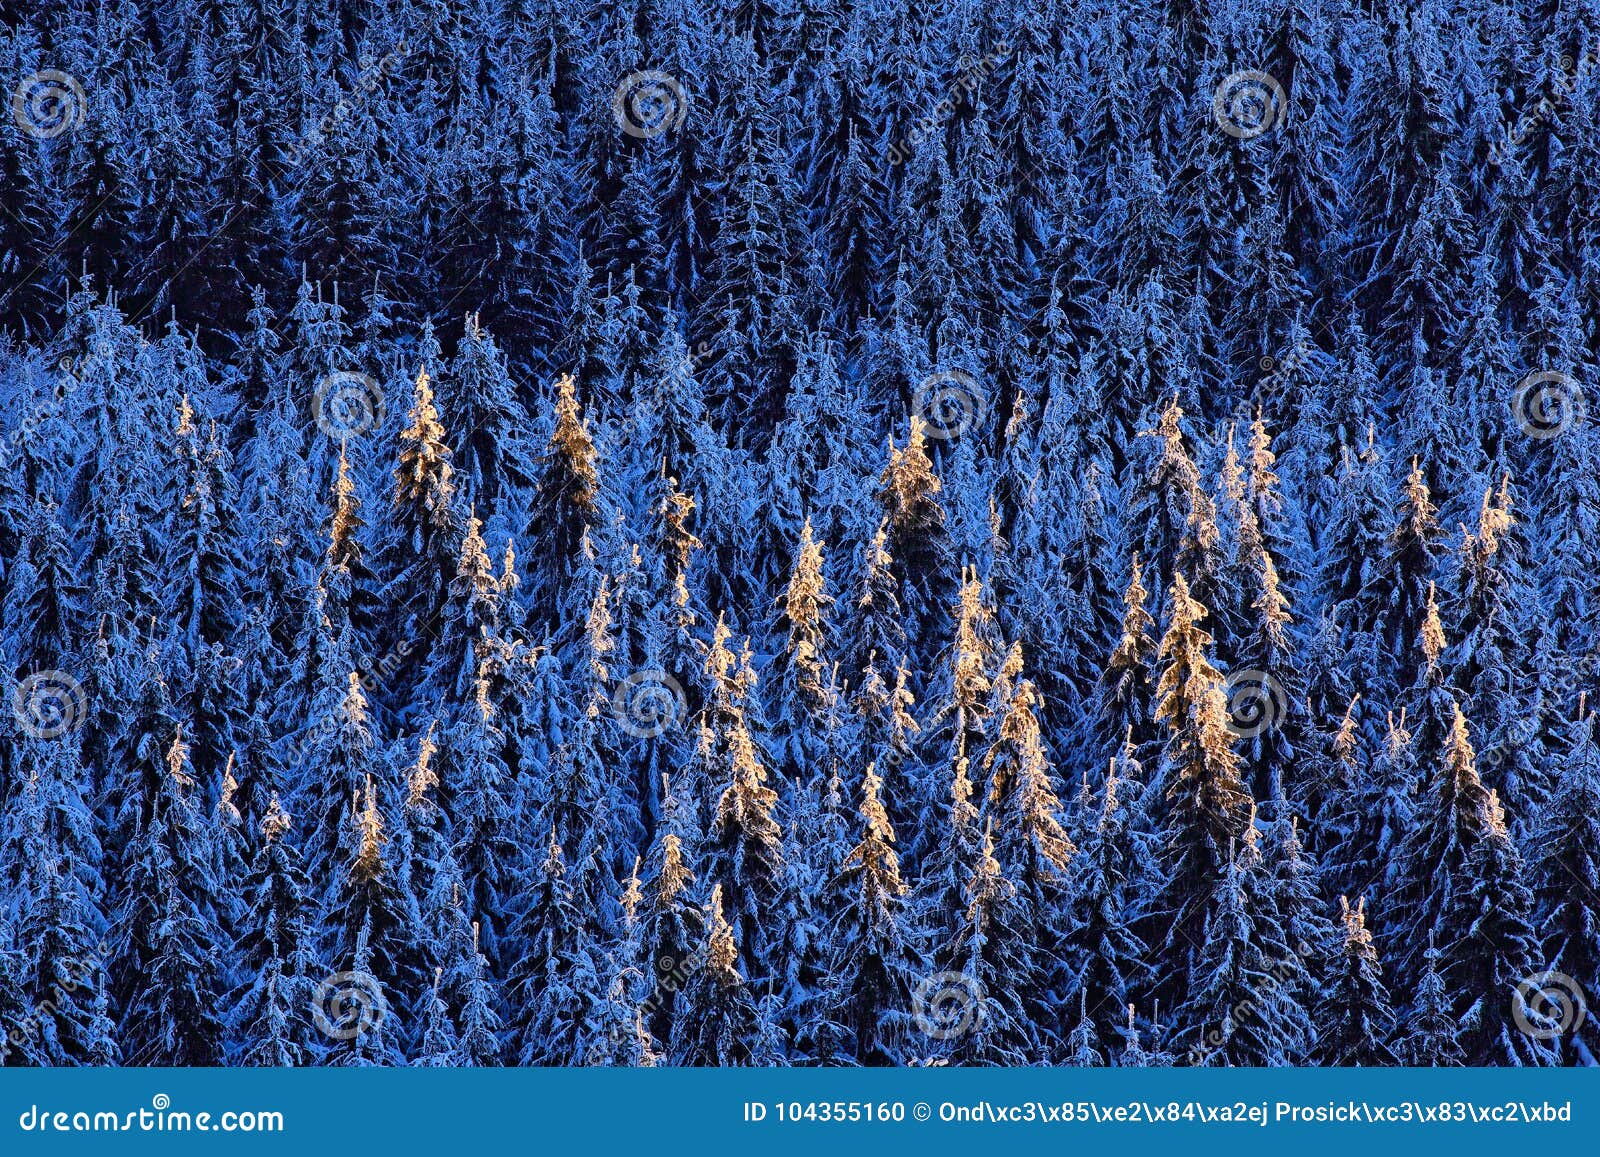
{"x":717,"y":1022}
{"x":564,"y":505}
{"x":1126,"y":686}
{"x":424,"y":514}
{"x":1209,"y":807}
{"x":269,"y":1020}
{"x":1355,"y":1022}
{"x":171,"y":958}
{"x":993,"y":965}
{"x":1022,"y":805}
{"x":1428,"y":871}
{"x":547,"y":983}
{"x":1494,"y":950}
{"x":875,"y":960}
{"x":1569,"y":871}
{"x":377,"y":939}
{"x":1431,"y":1026}
{"x":1114,"y":868}
{"x":671,"y":925}
{"x":918,"y":541}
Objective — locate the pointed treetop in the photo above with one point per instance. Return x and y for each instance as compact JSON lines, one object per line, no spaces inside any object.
{"x":1010,"y":669}
{"x":1354,"y":922}
{"x":1110,"y":799}
{"x":1347,"y":738}
{"x":346,"y":522}
{"x":987,"y":880}
{"x":1021,"y":788}
{"x":1495,"y":517}
{"x":571,"y":445}
{"x":424,"y":414}
{"x":1136,"y":644}
{"x":632,"y":895}
{"x":369,"y":863}
{"x":353,"y":708}
{"x":807,"y":592}
{"x":1262,"y":481}
{"x":1233,"y":488}
{"x":908,"y":483}
{"x":276,"y":822}
{"x":1420,"y":511}
{"x":178,"y":762}
{"x":227,"y":810}
{"x":872,"y":809}
{"x":1494,"y":818}
{"x":1271,"y":602}
{"x":597,"y":631}
{"x":722,"y":953}
{"x":423,"y":779}
{"x":1135,"y":594}
{"x":676,"y":510}
{"x":474,"y":563}
{"x":1433,"y":640}
{"x":423,"y":476}
{"x":878,"y":558}
{"x":508,"y":569}
{"x":1396,"y":739}
{"x":1460,"y":761}
{"x":554,"y":866}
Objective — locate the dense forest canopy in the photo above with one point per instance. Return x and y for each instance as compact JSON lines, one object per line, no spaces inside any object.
{"x":817,"y":532}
